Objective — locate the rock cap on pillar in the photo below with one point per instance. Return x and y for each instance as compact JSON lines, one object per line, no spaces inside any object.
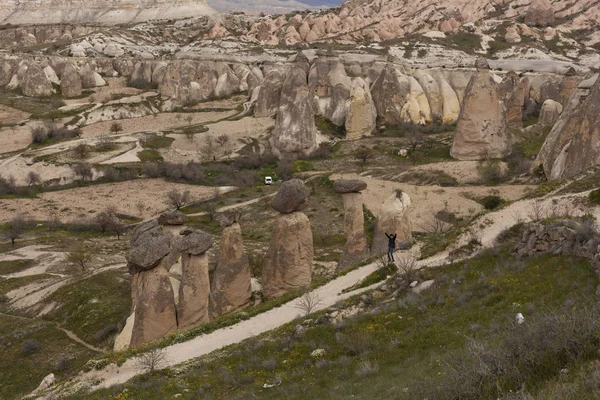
{"x":349,"y":186}
{"x":292,"y":196}
{"x":193,"y":241}
{"x":229,"y":218}
{"x":481,"y":63}
{"x":149,"y":244}
{"x":174,"y":217}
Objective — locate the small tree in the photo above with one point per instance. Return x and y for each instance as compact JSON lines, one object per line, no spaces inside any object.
{"x":83,"y":171}
{"x":79,"y":255}
{"x":116,"y":128}
{"x":107,"y":218}
{"x":34,"y":178}
{"x":414,"y":139}
{"x":363,"y":154}
{"x":189,"y":119}
{"x":15,"y":229}
{"x":188,"y":131}
{"x":152,"y":360}
{"x":140,"y":206}
{"x":308,"y":302}
{"x":209,"y":148}
{"x":178,"y":198}
{"x":285,"y":168}
{"x":81,"y":150}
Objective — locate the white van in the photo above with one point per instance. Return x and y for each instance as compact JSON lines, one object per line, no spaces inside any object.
{"x":268,"y":180}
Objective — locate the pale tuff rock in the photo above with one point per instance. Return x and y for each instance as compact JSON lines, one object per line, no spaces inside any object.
{"x":482,"y":129}
{"x":571,"y":147}
{"x":432,"y":91}
{"x":142,"y":74}
{"x":361,"y":114}
{"x":231,"y":284}
{"x":295,"y":133}
{"x":288,"y":261}
{"x":292,"y":196}
{"x":188,"y":81}
{"x":568,"y":85}
{"x":550,"y":112}
{"x":416,"y":109}
{"x":51,"y":75}
{"x":194,"y":290}
{"x":392,"y":218}
{"x":540,"y":13}
{"x":451,"y":105}
{"x":511,"y":91}
{"x":70,"y":83}
{"x":123,"y":67}
{"x":153,"y":306}
{"x":6,"y":72}
{"x":227,"y":82}
{"x":269,"y":95}
{"x":356,"y":248}
{"x":35,"y":83}
{"x":389,"y":96}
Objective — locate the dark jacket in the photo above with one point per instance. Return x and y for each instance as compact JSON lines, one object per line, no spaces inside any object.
{"x":391,"y":240}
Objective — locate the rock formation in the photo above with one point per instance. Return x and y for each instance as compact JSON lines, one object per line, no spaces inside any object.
{"x":572,"y":145}
{"x":194,"y":291}
{"x":288,"y":261}
{"x":36,"y":83}
{"x":231,"y":287}
{"x":269,"y":95}
{"x":481,"y":130}
{"x":153,"y":310}
{"x":389,"y":96}
{"x":70,"y":83}
{"x":356,"y":248}
{"x":550,"y":112}
{"x":295,"y":133}
{"x":511,"y":91}
{"x":361,"y":113}
{"x":392,"y":217}
{"x":173,"y":217}
{"x":539,"y":13}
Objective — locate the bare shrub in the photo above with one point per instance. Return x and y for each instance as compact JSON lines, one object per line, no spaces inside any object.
{"x":83,"y":171}
{"x":178,"y":198}
{"x":30,"y":346}
{"x":34,"y":179}
{"x":15,"y":229}
{"x":80,"y":256}
{"x":140,"y":206}
{"x":414,"y":139}
{"x":366,"y":368}
{"x":209,"y":148}
{"x":105,"y":143}
{"x":285,"y":168}
{"x":106,"y":218}
{"x":308,"y":302}
{"x":152,"y":360}
{"x":433,"y":224}
{"x":116,"y":128}
{"x":537,"y":211}
{"x":490,"y":171}
{"x":81,"y":150}
{"x":407,"y":266}
{"x":363,"y":154}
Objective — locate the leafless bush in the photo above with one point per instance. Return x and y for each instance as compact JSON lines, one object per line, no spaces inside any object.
{"x":209,"y":148}
{"x":308,"y":302}
{"x":407,"y":266}
{"x":33,"y":178}
{"x":15,"y":229}
{"x":285,"y":168}
{"x":81,"y":150}
{"x":105,"y":143}
{"x":80,"y":256}
{"x":537,"y":211}
{"x":363,"y":154}
{"x":83,"y":171}
{"x":178,"y":198}
{"x":433,"y":224}
{"x":30,"y":346}
{"x":152,"y":360}
{"x":490,"y":171}
{"x":116,"y":128}
{"x":366,"y":368}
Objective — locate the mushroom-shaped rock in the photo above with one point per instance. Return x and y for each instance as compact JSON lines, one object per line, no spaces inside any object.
{"x":292,"y":196}
{"x":229,"y":218}
{"x":149,"y":244}
{"x":481,"y":63}
{"x":173,"y":217}
{"x":349,"y":185}
{"x":194,"y":290}
{"x":231,"y":282}
{"x":482,"y":130}
{"x":288,"y":262}
{"x":550,"y":112}
{"x":36,"y":83}
{"x":392,"y":218}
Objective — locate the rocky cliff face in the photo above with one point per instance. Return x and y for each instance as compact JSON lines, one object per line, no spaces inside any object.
{"x":103,"y":12}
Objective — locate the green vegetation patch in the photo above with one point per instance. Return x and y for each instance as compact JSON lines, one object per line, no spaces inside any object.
{"x":9,"y":267}
{"x":150,"y":155}
{"x":156,"y":142}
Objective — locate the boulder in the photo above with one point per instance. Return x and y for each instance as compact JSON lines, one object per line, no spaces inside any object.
{"x":295,"y":133}
{"x":70,"y":83}
{"x":113,"y":50}
{"x":77,"y":50}
{"x":512,"y":35}
{"x":361,"y":113}
{"x":153,"y":306}
{"x":174,"y":217}
{"x":231,"y":288}
{"x":288,"y":261}
{"x":539,"y":13}
{"x":51,"y":75}
{"x":36,"y":83}
{"x":571,"y":146}
{"x":356,"y":248}
{"x":349,"y":185}
{"x":392,"y":217}
{"x":550,"y":112}
{"x":292,"y":196}
{"x":389,"y":96}
{"x":193,"y":241}
{"x":149,"y":245}
{"x":481,"y":130}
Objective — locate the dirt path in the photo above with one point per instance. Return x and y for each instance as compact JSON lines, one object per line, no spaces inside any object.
{"x":234,"y":206}
{"x":74,"y":337}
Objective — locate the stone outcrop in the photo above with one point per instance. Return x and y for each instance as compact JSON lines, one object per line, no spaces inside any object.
{"x":291,"y":196}
{"x":540,"y":13}
{"x":550,"y":112}
{"x":356,"y":248}
{"x":571,"y":146}
{"x":563,"y":238}
{"x":269,"y":95}
{"x":231,"y":286}
{"x":288,"y":261}
{"x":194,"y":290}
{"x":481,"y":130}
{"x":389,"y":96}
{"x":36,"y":83}
{"x":392,"y":217}
{"x":70,"y":83}
{"x":173,"y":217}
{"x":295,"y":133}
{"x":511,"y":91}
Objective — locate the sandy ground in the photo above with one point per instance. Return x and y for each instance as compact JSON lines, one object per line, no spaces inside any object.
{"x":427,"y":200}
{"x":80,"y":203}
{"x":462,"y":171}
{"x":44,"y":260}
{"x":9,"y":115}
{"x":160,"y":122}
{"x":104,"y":93}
